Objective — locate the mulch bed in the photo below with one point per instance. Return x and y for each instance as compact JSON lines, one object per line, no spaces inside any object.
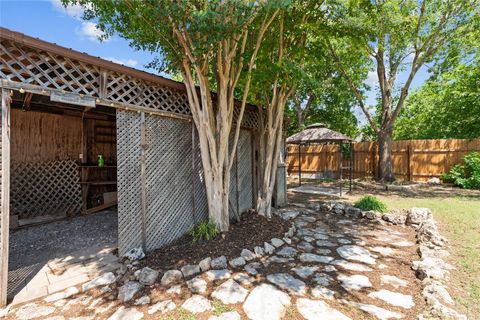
{"x":252,"y":230}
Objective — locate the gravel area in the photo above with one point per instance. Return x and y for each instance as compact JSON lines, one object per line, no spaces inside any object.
{"x":38,"y":244}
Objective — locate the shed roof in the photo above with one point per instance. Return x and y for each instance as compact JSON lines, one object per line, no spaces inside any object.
{"x":318,"y":133}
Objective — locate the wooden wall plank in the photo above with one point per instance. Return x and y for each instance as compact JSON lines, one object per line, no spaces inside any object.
{"x":5,"y":196}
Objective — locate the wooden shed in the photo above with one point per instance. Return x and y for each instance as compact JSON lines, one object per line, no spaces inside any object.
{"x":61,"y":109}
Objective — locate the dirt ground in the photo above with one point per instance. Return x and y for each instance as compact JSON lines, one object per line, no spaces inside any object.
{"x":38,"y":244}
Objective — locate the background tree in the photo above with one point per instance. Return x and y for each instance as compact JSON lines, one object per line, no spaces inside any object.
{"x":447,"y":107}
{"x":322,"y":94}
{"x":400,"y":37}
{"x":202,"y":40}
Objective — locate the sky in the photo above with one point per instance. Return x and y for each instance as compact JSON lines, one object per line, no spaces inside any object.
{"x":50,"y":21}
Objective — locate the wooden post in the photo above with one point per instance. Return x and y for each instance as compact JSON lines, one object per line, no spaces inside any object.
{"x":299,"y":165}
{"x":409,"y":162}
{"x":143,"y":147}
{"x":5,"y":196}
{"x":341,"y":168}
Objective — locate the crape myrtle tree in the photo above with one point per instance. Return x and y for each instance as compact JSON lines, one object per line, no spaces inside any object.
{"x":280,"y":69}
{"x":205,"y":41}
{"x":400,"y":36}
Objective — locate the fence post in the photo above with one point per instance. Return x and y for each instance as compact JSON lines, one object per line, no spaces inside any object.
{"x":409,"y":162}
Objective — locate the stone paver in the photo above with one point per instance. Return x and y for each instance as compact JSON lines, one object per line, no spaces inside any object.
{"x":32,"y":311}
{"x":288,"y":282}
{"x":123,"y":313}
{"x":311,"y":257}
{"x":354,"y":282}
{"x":357,"y":253}
{"x":393,"y":298}
{"x":162,"y":307}
{"x":315,"y":310}
{"x":230,"y":292}
{"x":197,"y":304}
{"x":265,"y":302}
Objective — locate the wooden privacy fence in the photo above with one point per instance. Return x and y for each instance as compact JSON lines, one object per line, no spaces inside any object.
{"x":413,"y":160}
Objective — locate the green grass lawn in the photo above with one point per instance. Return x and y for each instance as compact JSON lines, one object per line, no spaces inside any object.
{"x":459,"y":220}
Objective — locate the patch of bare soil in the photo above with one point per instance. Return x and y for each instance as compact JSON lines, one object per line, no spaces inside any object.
{"x":252,"y":230}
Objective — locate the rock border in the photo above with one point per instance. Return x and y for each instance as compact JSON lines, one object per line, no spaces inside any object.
{"x":431,"y":269}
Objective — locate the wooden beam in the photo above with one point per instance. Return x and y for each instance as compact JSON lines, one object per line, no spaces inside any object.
{"x":5,"y":196}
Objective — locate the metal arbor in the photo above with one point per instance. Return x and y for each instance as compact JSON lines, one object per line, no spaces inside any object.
{"x":318,"y":133}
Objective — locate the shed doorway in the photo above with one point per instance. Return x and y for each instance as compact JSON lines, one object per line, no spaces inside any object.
{"x":63,"y":216}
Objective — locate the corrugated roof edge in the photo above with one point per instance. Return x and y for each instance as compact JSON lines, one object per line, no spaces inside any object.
{"x":86,"y":58}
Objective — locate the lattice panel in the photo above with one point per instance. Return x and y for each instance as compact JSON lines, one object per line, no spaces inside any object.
{"x":128,"y":181}
{"x":245,"y":170}
{"x":169,"y":180}
{"x":44,"y":69}
{"x":201,"y":204}
{"x":45,"y":188}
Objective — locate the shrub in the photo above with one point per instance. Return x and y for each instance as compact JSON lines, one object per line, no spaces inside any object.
{"x":466,"y":175}
{"x":368,"y":203}
{"x":204,"y":231}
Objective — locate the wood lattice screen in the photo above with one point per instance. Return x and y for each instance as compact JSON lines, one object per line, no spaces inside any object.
{"x":44,"y":70}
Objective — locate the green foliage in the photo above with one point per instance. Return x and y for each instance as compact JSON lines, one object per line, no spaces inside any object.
{"x":368,"y":203}
{"x":466,"y":175}
{"x":446,"y":107}
{"x":204,"y":231}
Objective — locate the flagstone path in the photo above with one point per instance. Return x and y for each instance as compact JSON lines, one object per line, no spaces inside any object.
{"x":330,"y":268}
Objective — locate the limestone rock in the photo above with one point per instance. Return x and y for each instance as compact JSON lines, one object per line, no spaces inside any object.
{"x":305,"y":246}
{"x":417,"y":216}
{"x":435,"y":291}
{"x":104,"y":279}
{"x":311,"y":257}
{"x":162,"y":306}
{"x":230,"y":292}
{"x":287,"y":252}
{"x":338,"y":208}
{"x":287,"y":282}
{"x":314,"y":310}
{"x":197,"y":304}
{"x":322,"y":292}
{"x":357,"y":253}
{"x":215,"y":275}
{"x":305,"y":272}
{"x":354,"y":282}
{"x":205,"y":264}
{"x":277,"y":242}
{"x":351,"y":266}
{"x":269,"y":249}
{"x":190,"y":270}
{"x":128,"y":290}
{"x":171,"y":277}
{"x":134,"y":254}
{"x":197,"y":285}
{"x":61,"y":295}
{"x":123,"y":313}
{"x":259,"y":251}
{"x":289,"y":215}
{"x":393,"y":298}
{"x":265,"y":302}
{"x":142,"y":301}
{"x":247,"y":255}
{"x":237,"y":262}
{"x":31,"y":311}
{"x":219,"y":263}
{"x":428,"y":234}
{"x":396,"y":217}
{"x":373,"y":215}
{"x":147,"y":276}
